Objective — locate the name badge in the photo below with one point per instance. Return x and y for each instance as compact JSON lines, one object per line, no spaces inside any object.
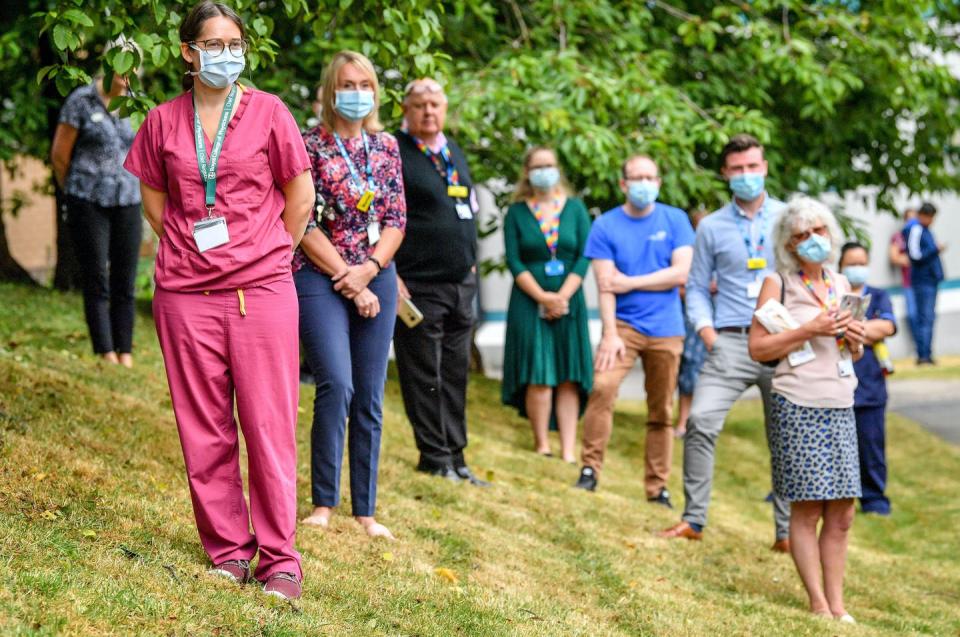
{"x":756,"y":263}
{"x":373,"y":232}
{"x":845,"y":367}
{"x":464,"y":211}
{"x":753,"y":288}
{"x":554,"y":267}
{"x":457,"y":192}
{"x":364,"y":204}
{"x":210,"y":233}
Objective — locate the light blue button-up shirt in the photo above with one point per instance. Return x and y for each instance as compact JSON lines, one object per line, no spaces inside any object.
{"x":721,"y":252}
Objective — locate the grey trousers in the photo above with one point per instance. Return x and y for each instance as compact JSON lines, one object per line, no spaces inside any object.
{"x":727,"y":373}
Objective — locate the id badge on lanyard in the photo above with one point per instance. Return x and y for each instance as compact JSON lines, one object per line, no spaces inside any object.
{"x":368,"y":190}
{"x":211,"y":231}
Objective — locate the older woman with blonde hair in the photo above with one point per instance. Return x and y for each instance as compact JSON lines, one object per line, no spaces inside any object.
{"x":813,"y":437}
{"x":548,"y":366}
{"x":347,"y":284}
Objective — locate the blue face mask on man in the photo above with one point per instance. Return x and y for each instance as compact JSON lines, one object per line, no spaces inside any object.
{"x":857,"y":274}
{"x":354,"y":105}
{"x":747,"y":186}
{"x":642,"y":193}
{"x":545,"y":178}
{"x":816,"y":249}
{"x":219,"y":71}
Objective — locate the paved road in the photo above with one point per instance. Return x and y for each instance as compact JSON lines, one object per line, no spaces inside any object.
{"x":935,"y":404}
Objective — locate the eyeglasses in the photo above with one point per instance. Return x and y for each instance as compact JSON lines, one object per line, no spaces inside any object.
{"x":423,"y":85}
{"x":215,"y":47}
{"x":803,"y":236}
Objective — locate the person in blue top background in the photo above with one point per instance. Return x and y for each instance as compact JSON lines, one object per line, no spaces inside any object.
{"x":641,"y":254}
{"x":870,"y":398}
{"x":926,"y":273}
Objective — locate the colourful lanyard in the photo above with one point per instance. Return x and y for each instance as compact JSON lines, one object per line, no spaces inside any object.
{"x":831,"y":297}
{"x":443,"y":163}
{"x":549,"y":224}
{"x":745,"y":232}
{"x":353,"y":169}
{"x":208,"y":171}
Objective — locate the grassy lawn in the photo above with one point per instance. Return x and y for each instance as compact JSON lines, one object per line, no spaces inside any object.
{"x":97,"y":534}
{"x":946,"y":367}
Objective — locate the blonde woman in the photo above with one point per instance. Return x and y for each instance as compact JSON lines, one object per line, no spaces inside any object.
{"x":347,"y":284}
{"x":548,"y":364}
{"x":813,"y":435}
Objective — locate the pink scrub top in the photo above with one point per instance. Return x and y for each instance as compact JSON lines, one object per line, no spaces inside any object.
{"x":262,"y":151}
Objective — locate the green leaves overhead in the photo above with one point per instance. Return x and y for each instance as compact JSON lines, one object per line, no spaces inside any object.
{"x":843,"y":93}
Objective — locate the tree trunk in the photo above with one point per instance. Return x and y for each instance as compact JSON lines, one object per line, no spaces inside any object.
{"x":10,"y":270}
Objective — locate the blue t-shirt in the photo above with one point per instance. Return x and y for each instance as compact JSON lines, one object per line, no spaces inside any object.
{"x":641,"y":246}
{"x":872,"y":388}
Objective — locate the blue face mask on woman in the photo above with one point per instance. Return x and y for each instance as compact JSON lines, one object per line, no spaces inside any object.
{"x":857,"y":274}
{"x":354,"y":105}
{"x":816,"y":249}
{"x":219,"y":71}
{"x":642,"y":193}
{"x":747,"y":186}
{"x":544,"y":178}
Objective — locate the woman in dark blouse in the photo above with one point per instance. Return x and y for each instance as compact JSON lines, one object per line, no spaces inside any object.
{"x":548,"y":363}
{"x":103,"y":212}
{"x":347,"y":285}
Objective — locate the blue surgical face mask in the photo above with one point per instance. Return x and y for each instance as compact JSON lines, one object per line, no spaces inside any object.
{"x":354,"y":105}
{"x":642,"y":193}
{"x":544,"y":178}
{"x":747,"y":186}
{"x":857,"y":274}
{"x":219,"y":71}
{"x":816,"y":249}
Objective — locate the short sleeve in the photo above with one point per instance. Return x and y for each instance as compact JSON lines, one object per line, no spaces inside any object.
{"x":285,"y":148}
{"x":145,"y":159}
{"x":75,"y":110}
{"x":882,"y":307}
{"x":683,"y":234}
{"x":599,"y":245}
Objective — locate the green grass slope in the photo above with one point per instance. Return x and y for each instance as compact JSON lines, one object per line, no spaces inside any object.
{"x":97,"y":534}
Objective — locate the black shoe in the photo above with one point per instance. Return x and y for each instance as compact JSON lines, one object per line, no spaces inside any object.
{"x":663,"y":499}
{"x":445,"y":472}
{"x":588,"y":480}
{"x":464,"y":473}
{"x":925,"y":361}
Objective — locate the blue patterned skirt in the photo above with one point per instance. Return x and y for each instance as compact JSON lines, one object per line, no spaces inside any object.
{"x":813,"y":452}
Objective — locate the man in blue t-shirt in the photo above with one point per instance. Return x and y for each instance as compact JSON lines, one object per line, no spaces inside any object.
{"x":641,"y":254}
{"x":926,"y":273}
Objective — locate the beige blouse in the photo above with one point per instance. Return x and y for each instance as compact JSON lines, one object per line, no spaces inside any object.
{"x":816,"y":383}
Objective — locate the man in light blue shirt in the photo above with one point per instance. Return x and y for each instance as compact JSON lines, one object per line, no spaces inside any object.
{"x":735,"y":246}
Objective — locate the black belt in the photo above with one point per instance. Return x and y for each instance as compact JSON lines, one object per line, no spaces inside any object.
{"x":735,"y":330}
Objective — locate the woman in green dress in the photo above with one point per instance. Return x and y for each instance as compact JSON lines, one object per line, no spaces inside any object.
{"x":548,"y":362}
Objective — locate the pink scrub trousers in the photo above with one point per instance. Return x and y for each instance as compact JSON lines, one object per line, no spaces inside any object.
{"x":243,"y":343}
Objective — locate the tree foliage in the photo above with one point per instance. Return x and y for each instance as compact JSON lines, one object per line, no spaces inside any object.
{"x":843,"y":93}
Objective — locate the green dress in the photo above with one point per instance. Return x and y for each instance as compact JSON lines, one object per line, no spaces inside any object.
{"x":538,"y":351}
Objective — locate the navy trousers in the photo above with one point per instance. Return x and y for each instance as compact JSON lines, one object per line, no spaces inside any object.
{"x":347,"y":354}
{"x":871,"y":437}
{"x":926,"y":296}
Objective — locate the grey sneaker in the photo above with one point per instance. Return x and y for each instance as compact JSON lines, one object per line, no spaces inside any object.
{"x":236,"y":570}
{"x":283,"y":585}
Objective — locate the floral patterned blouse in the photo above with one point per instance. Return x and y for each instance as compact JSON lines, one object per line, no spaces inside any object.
{"x":340,"y":220}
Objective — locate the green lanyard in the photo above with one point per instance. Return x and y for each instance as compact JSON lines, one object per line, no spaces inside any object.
{"x":208,"y":172}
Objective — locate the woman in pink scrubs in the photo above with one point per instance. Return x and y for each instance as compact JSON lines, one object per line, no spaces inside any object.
{"x":226,"y":186}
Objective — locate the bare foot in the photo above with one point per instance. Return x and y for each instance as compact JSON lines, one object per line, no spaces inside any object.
{"x":126,"y":360}
{"x":110,"y":357}
{"x":679,"y":431}
{"x":373,"y":528}
{"x":320,"y":517}
{"x":570,"y":459}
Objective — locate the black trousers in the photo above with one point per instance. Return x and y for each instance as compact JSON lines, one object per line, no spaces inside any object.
{"x":433,"y":361}
{"x":107,"y":243}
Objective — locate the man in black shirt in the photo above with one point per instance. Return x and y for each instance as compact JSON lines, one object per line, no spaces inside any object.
{"x":436,"y":268}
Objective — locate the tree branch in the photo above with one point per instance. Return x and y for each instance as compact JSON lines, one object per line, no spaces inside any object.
{"x":518,"y":14}
{"x":674,"y":11}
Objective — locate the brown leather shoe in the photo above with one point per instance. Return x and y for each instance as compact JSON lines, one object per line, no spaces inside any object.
{"x":781,"y":546}
{"x":683,"y":530}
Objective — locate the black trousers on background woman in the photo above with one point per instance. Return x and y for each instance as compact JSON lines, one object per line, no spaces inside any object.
{"x":107,"y":243}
